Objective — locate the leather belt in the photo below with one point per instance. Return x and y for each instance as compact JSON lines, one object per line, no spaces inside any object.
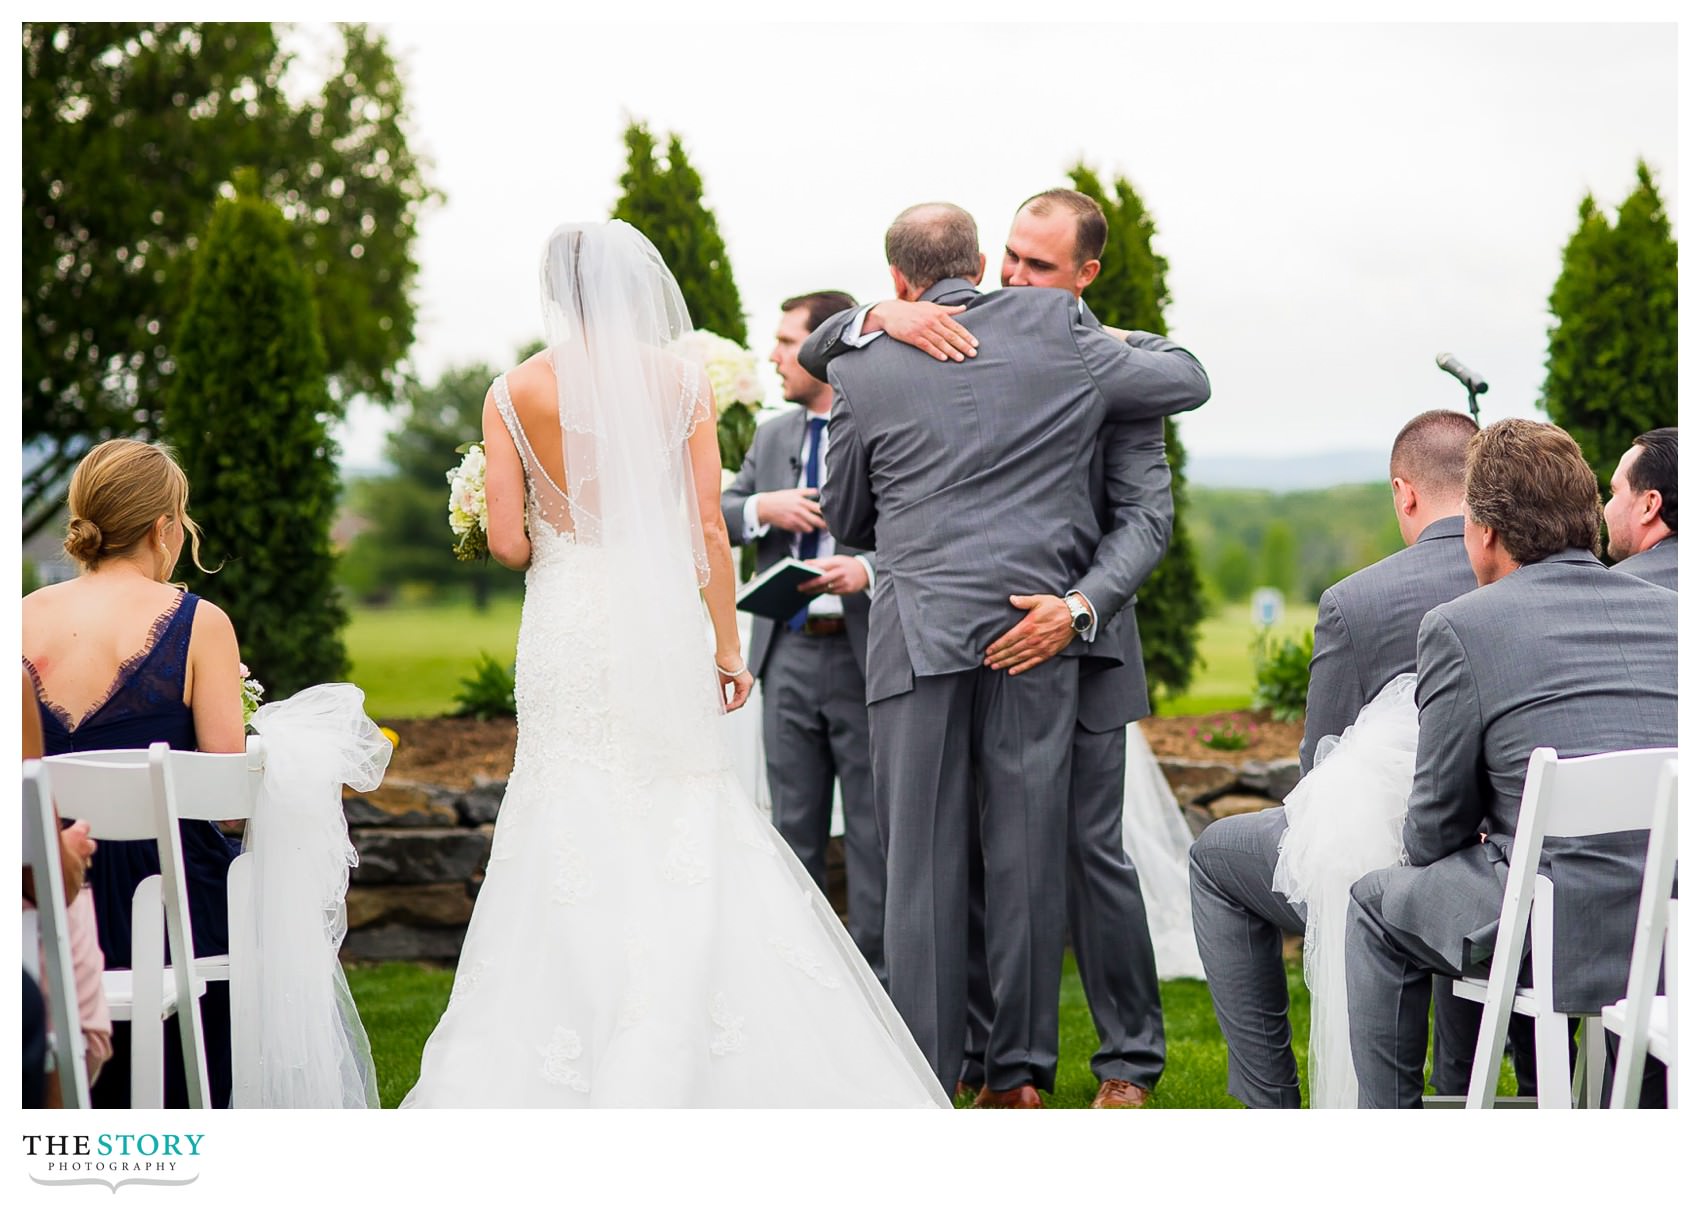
{"x":823,"y":626}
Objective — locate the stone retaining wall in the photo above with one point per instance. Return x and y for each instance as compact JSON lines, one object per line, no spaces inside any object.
{"x":423,"y":849}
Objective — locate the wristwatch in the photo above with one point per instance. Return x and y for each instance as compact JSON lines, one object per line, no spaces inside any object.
{"x":1079,"y":616}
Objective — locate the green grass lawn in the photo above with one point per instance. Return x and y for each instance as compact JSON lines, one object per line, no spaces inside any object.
{"x":401,"y":1001}
{"x":410,"y":659}
{"x":1224,"y":682}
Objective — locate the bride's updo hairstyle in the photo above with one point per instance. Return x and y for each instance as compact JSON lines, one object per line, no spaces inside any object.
{"x":119,"y":489}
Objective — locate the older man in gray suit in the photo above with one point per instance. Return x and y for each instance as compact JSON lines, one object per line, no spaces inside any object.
{"x":1366,"y":634}
{"x":1552,"y":651}
{"x":974,"y":476}
{"x":1641,"y":514}
{"x":813,"y":686}
{"x":1056,"y":240}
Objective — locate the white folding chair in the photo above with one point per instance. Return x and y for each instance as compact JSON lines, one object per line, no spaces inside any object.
{"x":133,"y":801}
{"x":1644,"y":1020}
{"x":41,"y":855}
{"x":1577,"y":797}
{"x":214,"y":786}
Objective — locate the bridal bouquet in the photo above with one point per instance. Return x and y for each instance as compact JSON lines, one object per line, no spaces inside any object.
{"x":468,"y":514}
{"x":732,"y":373}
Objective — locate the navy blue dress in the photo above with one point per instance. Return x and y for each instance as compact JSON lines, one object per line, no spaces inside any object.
{"x":145,"y":706}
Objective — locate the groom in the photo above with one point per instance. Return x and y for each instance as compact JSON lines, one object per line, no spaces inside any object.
{"x":974,"y":475}
{"x":1056,"y":240}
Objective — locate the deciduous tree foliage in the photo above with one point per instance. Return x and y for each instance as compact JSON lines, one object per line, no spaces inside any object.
{"x":247,"y":411}
{"x":129,"y":131}
{"x":1130,"y":292}
{"x":1611,"y":349}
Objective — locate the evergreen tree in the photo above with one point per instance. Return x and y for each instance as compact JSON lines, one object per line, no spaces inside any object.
{"x":1611,"y":350}
{"x":246,"y":410}
{"x":662,"y":197}
{"x":1130,"y":292}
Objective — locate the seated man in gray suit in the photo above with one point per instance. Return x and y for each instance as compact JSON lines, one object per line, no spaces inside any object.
{"x":1366,"y":634}
{"x":1553,"y":650}
{"x":814,"y":712}
{"x":1641,"y":514}
{"x":974,"y":476}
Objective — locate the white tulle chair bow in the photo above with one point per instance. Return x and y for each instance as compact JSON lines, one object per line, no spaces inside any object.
{"x":299,"y":1040}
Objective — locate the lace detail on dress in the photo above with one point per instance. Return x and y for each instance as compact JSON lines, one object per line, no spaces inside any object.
{"x":730,"y":1040}
{"x":572,"y":881}
{"x":564,"y":1048}
{"x":120,"y":679}
{"x":684,"y":864}
{"x":467,"y":980}
{"x":805,"y":961}
{"x":545,"y":499}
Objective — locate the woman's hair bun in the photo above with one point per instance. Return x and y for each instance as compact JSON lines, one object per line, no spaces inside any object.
{"x":82,"y":540}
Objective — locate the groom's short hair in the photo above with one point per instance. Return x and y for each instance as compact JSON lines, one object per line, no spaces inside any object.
{"x":822,"y":305}
{"x":1429,"y":451}
{"x":1529,"y":482}
{"x":932,"y":241}
{"x":1091,"y":228}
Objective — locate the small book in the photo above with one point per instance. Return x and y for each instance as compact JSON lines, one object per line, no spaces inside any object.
{"x":773,"y":594}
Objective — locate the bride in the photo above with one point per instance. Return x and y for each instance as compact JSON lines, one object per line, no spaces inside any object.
{"x":642,"y":936}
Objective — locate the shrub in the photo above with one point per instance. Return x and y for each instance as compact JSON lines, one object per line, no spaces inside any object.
{"x":488,"y":693}
{"x":1283,"y":675}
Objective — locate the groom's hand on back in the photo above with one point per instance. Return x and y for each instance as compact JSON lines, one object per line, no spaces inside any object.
{"x":926,"y":325}
{"x":1046,"y":630}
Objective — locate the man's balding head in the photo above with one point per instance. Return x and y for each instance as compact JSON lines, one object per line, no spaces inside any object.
{"x":932,"y":241}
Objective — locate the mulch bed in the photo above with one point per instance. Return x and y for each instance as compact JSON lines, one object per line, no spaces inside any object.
{"x":458,"y":752}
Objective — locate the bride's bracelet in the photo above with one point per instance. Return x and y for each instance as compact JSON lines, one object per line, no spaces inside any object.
{"x":734,"y":673}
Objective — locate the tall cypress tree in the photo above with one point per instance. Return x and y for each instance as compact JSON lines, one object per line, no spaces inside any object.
{"x":246,"y":408}
{"x":662,"y":197}
{"x":1130,"y":292}
{"x":1611,"y":350}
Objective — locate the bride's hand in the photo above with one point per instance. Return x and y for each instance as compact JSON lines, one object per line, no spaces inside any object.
{"x":740,"y":680}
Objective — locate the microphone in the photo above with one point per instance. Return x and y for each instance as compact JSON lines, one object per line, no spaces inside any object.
{"x":1461,"y":372}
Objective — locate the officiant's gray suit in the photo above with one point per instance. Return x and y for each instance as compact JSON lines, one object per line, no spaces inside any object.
{"x":1562,"y":653}
{"x":1366,"y":634}
{"x":814,"y":701}
{"x":970,"y":480}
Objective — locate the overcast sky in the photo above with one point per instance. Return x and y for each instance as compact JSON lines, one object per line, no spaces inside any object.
{"x":1337,"y":203}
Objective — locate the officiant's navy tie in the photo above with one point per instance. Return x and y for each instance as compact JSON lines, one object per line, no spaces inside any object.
{"x":808,"y":546}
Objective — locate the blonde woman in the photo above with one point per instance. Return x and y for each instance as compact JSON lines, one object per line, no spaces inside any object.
{"x":121,"y":658}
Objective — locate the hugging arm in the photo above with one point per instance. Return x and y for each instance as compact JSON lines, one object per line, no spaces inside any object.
{"x":847,"y":496}
{"x":1143,"y":377}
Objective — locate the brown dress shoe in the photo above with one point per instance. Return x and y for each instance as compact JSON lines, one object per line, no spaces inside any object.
{"x":1024,"y":1097}
{"x":1120,"y":1094}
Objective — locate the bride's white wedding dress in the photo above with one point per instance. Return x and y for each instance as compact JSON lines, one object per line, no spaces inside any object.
{"x":1343,"y":820}
{"x":643,"y":937}
{"x":1156,"y":837}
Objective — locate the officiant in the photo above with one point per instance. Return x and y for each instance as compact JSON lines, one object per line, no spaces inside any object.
{"x":812,"y":665}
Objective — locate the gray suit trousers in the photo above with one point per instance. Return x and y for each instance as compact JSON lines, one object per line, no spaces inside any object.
{"x":1106,"y":925}
{"x":932,"y":746}
{"x":1238,"y":920}
{"x":815,"y":728}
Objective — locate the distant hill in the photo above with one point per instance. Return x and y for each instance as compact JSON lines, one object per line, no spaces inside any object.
{"x":1287,"y":473}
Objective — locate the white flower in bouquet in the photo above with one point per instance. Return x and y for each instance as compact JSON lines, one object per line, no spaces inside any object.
{"x":253,"y":693}
{"x":732,"y":370}
{"x":469,"y":516}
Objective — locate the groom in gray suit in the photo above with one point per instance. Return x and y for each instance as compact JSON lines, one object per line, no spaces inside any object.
{"x":1056,"y":240}
{"x":1366,"y":634}
{"x":973,"y":475}
{"x":812,"y":666}
{"x":1553,"y":650}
